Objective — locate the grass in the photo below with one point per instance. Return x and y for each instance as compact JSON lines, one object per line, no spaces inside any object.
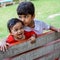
{"x":44,"y":8}
{"x":5,"y":14}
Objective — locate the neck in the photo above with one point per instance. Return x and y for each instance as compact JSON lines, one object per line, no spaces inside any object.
{"x":32,"y":24}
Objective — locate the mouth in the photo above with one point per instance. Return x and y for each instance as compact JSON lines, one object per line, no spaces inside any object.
{"x":20,"y":34}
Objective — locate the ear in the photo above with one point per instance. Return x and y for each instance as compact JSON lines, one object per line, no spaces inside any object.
{"x":33,"y":16}
{"x":11,"y":33}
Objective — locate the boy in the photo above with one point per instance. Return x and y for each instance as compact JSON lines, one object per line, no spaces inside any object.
{"x":15,"y":27}
{"x":26,"y":13}
{"x":17,"y":33}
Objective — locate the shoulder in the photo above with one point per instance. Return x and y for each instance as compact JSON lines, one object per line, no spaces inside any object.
{"x":10,"y":38}
{"x":38,"y":21}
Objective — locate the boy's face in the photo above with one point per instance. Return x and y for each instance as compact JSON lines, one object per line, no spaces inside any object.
{"x":27,"y":19}
{"x":17,"y":31}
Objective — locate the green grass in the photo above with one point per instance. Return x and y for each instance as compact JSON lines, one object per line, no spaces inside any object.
{"x":44,"y":8}
{"x":5,"y":14}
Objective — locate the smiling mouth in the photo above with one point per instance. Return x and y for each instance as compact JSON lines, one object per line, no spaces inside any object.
{"x":20,"y":34}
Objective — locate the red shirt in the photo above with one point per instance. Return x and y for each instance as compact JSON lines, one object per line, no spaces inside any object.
{"x":11,"y":39}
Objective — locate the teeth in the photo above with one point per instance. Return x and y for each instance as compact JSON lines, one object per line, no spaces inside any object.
{"x":20,"y":34}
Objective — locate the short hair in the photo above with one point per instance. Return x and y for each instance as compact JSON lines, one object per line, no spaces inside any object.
{"x":25,"y":8}
{"x":12,"y":22}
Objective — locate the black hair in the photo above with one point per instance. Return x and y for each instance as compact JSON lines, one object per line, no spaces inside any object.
{"x":25,"y":8}
{"x":12,"y":22}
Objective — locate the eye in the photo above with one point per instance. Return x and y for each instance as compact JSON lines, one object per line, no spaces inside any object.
{"x":16,"y":29}
{"x":21,"y":28}
{"x":26,"y":16}
{"x":20,"y":17}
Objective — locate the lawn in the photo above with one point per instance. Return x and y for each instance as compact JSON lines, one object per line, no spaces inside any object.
{"x":44,"y":9}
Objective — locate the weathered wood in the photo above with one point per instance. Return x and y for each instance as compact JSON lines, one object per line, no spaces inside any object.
{"x":28,"y":51}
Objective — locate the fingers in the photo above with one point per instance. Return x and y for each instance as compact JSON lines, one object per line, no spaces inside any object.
{"x":58,"y":30}
{"x":4,"y":47}
{"x":33,"y":41}
{"x":7,"y":44}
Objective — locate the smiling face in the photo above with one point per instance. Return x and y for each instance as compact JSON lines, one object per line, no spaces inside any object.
{"x":17,"y":31}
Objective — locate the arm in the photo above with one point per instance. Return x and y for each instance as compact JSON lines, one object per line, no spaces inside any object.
{"x":48,"y":27}
{"x":54,"y":29}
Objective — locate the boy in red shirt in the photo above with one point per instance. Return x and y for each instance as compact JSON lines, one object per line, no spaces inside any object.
{"x":17,"y":33}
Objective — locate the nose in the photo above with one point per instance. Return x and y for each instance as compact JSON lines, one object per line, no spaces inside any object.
{"x":23,"y":19}
{"x":19,"y":31}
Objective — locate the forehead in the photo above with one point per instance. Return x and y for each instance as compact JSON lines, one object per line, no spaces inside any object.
{"x":18,"y":25}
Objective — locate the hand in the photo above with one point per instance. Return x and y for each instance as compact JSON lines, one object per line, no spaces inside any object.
{"x":54,"y":29}
{"x":33,"y":39}
{"x":4,"y":46}
{"x":58,"y":30}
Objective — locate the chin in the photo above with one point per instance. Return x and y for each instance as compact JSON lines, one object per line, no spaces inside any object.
{"x":20,"y":37}
{"x":26,"y":24}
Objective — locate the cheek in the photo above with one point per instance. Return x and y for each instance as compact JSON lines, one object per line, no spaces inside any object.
{"x":28,"y":21}
{"x":14,"y":33}
{"x":22,"y":31}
